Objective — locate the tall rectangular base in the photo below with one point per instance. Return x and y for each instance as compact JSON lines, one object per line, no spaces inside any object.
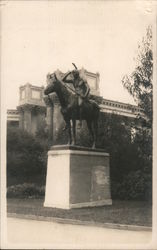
{"x":77,"y":177}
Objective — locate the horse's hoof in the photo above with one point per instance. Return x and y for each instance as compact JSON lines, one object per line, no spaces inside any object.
{"x":64,"y":129}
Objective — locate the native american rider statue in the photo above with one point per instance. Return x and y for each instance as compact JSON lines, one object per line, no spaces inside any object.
{"x":74,"y":100}
{"x":81,"y":87}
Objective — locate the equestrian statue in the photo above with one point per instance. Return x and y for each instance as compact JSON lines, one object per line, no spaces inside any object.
{"x":74,"y":98}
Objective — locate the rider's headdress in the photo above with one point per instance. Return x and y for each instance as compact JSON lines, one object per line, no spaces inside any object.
{"x":74,"y":65}
{"x":75,"y":72}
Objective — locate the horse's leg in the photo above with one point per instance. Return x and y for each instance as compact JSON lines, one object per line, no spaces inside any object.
{"x":74,"y":131}
{"x":67,"y":125}
{"x":89,"y":125}
{"x":69,"y":132}
{"x":95,"y":125}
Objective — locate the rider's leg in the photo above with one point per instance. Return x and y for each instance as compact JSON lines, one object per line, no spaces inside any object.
{"x":81,"y":116}
{"x":80,"y":101}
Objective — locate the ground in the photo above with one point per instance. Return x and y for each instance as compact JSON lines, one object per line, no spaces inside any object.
{"x":121,"y":212}
{"x":33,"y":234}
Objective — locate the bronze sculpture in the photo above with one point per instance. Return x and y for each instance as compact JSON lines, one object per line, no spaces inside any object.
{"x":74,"y":104}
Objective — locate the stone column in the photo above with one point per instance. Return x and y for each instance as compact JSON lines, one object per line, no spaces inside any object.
{"x":49,"y":121}
{"x":25,"y":117}
{"x":54,"y":118}
{"x":37,"y":118}
{"x":21,"y":118}
{"x":58,"y":121}
{"x":27,"y":120}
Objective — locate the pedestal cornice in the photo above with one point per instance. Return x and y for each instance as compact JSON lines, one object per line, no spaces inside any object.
{"x":76,"y":149}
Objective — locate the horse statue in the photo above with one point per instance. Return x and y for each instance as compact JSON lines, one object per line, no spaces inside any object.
{"x":70,"y":110}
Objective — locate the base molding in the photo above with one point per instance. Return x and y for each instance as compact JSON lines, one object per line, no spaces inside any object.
{"x":91,"y":203}
{"x":80,"y":205}
{"x":60,"y":206}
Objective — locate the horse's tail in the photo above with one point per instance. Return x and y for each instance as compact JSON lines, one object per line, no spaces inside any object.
{"x":95,"y":105}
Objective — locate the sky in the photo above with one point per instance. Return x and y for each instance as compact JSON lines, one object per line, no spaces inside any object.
{"x":38,"y":37}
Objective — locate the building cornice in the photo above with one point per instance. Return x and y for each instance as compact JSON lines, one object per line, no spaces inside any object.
{"x":13,"y":115}
{"x":31,"y":107}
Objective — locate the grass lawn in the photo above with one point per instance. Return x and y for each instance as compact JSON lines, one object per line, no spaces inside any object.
{"x":121,"y":212}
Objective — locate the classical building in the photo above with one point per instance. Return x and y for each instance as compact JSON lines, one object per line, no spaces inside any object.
{"x":31,"y":108}
{"x":13,"y":117}
{"x":32,"y":112}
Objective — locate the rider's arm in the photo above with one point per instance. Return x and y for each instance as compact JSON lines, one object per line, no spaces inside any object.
{"x":65,"y":80}
{"x":68,"y":81}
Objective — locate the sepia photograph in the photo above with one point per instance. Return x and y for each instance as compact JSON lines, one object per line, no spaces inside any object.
{"x":78,"y":124}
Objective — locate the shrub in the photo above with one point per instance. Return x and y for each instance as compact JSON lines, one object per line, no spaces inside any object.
{"x":26,"y":158}
{"x":25,"y":190}
{"x":134,"y":186}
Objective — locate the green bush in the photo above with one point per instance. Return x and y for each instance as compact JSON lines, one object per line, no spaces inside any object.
{"x":26,"y":158}
{"x":134,"y":186}
{"x":25,"y":190}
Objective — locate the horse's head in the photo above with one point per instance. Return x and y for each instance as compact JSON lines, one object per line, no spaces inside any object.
{"x":55,"y":84}
{"x":51,"y":84}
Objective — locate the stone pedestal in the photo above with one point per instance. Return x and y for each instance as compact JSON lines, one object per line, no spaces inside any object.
{"x":77,"y":177}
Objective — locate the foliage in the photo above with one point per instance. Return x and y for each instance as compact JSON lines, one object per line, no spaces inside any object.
{"x":26,"y":158}
{"x":139,"y":83}
{"x":136,"y":185}
{"x":25,"y":190}
{"x":143,"y":139}
{"x":130,"y":162}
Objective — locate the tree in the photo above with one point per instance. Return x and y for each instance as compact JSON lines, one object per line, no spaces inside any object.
{"x":139,"y":83}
